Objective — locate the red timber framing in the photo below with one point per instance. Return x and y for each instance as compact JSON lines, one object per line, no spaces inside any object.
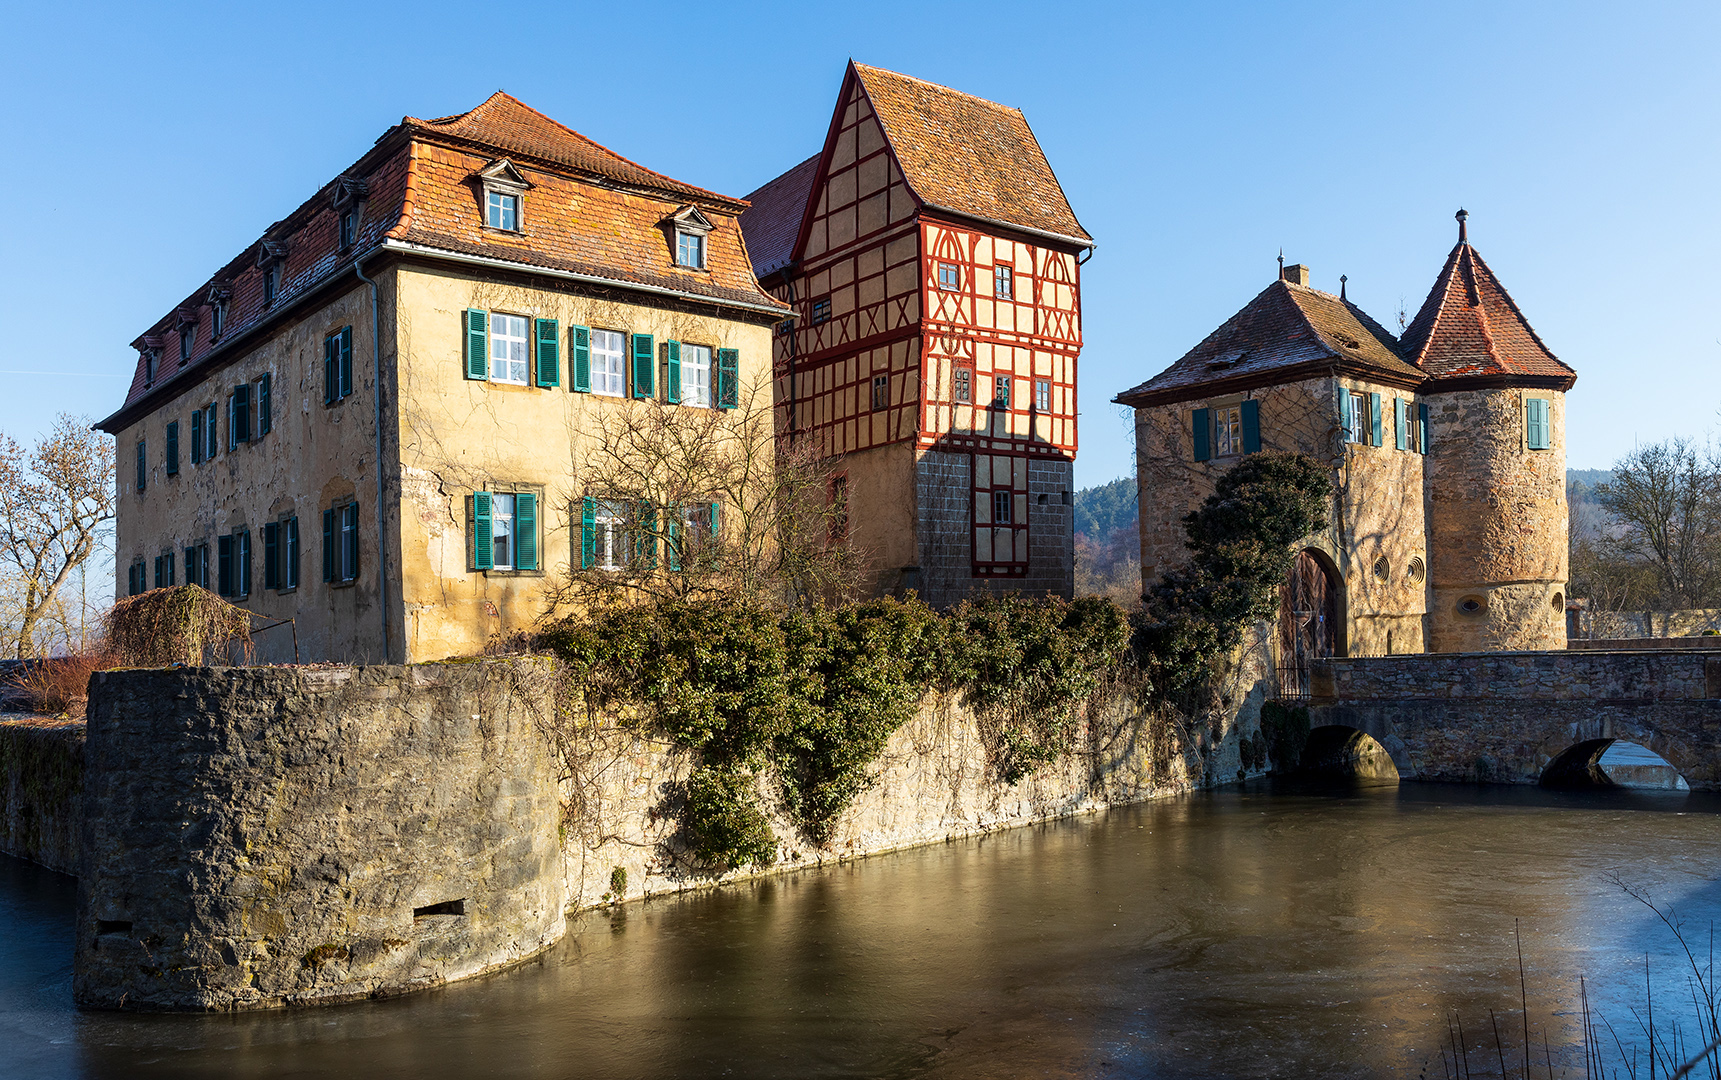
{"x":915,"y":324}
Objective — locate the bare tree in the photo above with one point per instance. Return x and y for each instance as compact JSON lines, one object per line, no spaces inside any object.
{"x":690,"y":502}
{"x":54,"y":500}
{"x":1665,"y":501}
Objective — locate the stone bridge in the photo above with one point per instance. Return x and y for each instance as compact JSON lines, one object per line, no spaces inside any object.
{"x":1508,"y":717}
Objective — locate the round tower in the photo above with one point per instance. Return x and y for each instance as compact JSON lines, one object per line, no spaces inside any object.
{"x":1495,"y":472}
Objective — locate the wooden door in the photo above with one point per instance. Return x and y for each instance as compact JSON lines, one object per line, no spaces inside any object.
{"x":1308,"y":613}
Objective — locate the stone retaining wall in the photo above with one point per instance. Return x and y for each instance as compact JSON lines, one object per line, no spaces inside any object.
{"x":1504,"y":717}
{"x":256,"y":837}
{"x":41,"y":790}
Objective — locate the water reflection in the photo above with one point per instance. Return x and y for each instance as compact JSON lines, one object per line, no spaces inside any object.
{"x":1286,"y":929}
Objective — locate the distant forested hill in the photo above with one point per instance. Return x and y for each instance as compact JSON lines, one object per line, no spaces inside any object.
{"x":1102,"y":510}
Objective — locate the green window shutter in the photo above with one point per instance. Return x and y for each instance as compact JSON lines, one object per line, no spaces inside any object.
{"x":646,"y":548}
{"x":716,"y":520}
{"x":271,"y":555}
{"x":196,"y":436}
{"x":350,"y":541}
{"x":243,"y":556}
{"x":526,"y":531}
{"x":1199,"y":427}
{"x":158,"y":571}
{"x":1536,"y":422}
{"x":265,"y":404}
{"x":242,"y":413}
{"x":346,"y":361}
{"x":477,"y":325}
{"x":1345,"y":414}
{"x":1251,"y":426}
{"x":328,"y":545}
{"x":1422,"y":439}
{"x":644,"y":360}
{"x":224,"y":565}
{"x":214,"y":440}
{"x":142,"y":466}
{"x":672,"y":372}
{"x":588,"y":532}
{"x":672,"y":544}
{"x":1374,"y":419}
{"x":582,"y":359}
{"x":1401,"y":423}
{"x":173,"y":448}
{"x":549,"y":352}
{"x":483,"y":541}
{"x":293,"y":552}
{"x":728,"y":378}
{"x":191,"y":566}
{"x":331,"y":389}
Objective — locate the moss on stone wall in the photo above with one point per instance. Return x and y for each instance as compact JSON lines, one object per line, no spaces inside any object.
{"x":41,"y":784}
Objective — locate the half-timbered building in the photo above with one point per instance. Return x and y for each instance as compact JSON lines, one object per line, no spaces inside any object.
{"x":934,"y":267}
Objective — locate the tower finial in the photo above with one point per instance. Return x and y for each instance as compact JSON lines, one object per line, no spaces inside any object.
{"x":1462,"y":216}
{"x":1342,"y":279}
{"x":1281,"y":264}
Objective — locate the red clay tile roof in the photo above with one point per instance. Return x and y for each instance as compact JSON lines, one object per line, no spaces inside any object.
{"x":967,"y":154}
{"x":420,"y":191}
{"x":1470,"y":328}
{"x":773,"y":217}
{"x":505,"y":123}
{"x":1285,"y":327}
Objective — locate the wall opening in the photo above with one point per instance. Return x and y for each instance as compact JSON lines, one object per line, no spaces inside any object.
{"x":447,"y":907}
{"x":1308,"y":623}
{"x":1334,"y":750}
{"x":1599,"y":764}
{"x":113,"y":926}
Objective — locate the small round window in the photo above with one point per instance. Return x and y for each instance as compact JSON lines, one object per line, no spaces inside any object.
{"x":1416,"y":570}
{"x":1382,"y":568}
{"x":1558,"y":603}
{"x":1472,"y":605}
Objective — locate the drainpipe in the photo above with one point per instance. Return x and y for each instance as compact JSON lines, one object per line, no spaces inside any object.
{"x":381,"y":518}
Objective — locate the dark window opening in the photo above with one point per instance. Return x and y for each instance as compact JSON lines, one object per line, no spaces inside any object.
{"x":822,"y":310}
{"x":880,"y":391}
{"x":447,"y":907}
{"x":113,"y":926}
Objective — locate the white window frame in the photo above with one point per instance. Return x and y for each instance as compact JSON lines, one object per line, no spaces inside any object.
{"x":1362,"y":429}
{"x":1042,"y":395}
{"x":963,"y":389}
{"x":696,"y":375}
{"x":949,"y":277}
{"x":1227,"y":430}
{"x":689,"y":249}
{"x":611,"y":381}
{"x":502,"y":546}
{"x":1004,"y":282}
{"x":500,"y":207}
{"x":880,"y":392}
{"x":504,"y":366}
{"x":609,"y":535}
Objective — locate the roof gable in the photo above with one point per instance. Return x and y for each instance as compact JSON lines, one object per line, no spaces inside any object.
{"x":1470,"y":327}
{"x":1281,"y":330}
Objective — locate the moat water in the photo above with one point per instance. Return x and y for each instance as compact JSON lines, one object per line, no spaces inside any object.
{"x":1277,"y":930}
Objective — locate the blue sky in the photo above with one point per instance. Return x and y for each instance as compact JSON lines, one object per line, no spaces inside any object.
{"x":152,"y":143}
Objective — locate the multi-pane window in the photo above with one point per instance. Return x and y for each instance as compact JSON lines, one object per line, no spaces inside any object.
{"x":690,"y":250}
{"x":1227,"y":430}
{"x":1001,"y":391}
{"x":239,"y":416}
{"x":1003,"y":283}
{"x":508,"y":348}
{"x":609,"y":368}
{"x":880,"y":391}
{"x":1359,"y":420}
{"x":949,"y":276}
{"x":1001,"y":508}
{"x":964,"y":384}
{"x":211,"y":442}
{"x":349,"y":228}
{"x":609,"y":535}
{"x":502,"y":531}
{"x":271,"y":282}
{"x":696,"y":375}
{"x":1000,"y":515}
{"x":1043,"y":395}
{"x":341,"y":543}
{"x":217,"y":318}
{"x":187,"y":339}
{"x":502,"y":211}
{"x":822,"y":310}
{"x":281,"y":554}
{"x":338,"y":365}
{"x":197,"y":565}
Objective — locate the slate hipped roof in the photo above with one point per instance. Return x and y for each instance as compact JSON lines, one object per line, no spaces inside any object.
{"x":957,"y":152}
{"x":1469,"y":328}
{"x":1287,"y":332}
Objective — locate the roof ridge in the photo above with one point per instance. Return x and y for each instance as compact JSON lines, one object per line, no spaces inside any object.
{"x":936,"y":86}
{"x":1303,"y":316}
{"x":1482,"y":321}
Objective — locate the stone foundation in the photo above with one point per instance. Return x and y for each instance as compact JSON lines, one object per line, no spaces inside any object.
{"x":41,"y":790}
{"x":257,"y":837}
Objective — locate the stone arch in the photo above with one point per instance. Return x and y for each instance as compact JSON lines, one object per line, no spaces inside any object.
{"x":1311,"y":620}
{"x":1351,"y":751}
{"x":1579,"y":765}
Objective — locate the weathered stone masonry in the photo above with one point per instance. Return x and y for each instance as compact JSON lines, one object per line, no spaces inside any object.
{"x":1504,"y":717}
{"x":257,"y":837}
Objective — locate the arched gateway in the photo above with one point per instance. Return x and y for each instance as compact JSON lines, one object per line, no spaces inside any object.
{"x":1308,"y":622}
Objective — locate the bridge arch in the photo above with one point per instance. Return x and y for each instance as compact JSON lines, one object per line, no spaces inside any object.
{"x":1582,"y":765}
{"x":1339,"y":749}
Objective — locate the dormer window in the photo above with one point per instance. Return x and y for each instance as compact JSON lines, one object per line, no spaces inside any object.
{"x":217,"y":301}
{"x":690,"y":228}
{"x":271,"y":254}
{"x":186,"y":323}
{"x":350,"y":192}
{"x":504,"y":188}
{"x":151,"y":352}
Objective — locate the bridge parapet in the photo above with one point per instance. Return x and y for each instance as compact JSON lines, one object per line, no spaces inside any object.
{"x":1503,"y":716}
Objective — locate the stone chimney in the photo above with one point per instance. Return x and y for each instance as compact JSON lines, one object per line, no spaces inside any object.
{"x":1297,"y":274}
